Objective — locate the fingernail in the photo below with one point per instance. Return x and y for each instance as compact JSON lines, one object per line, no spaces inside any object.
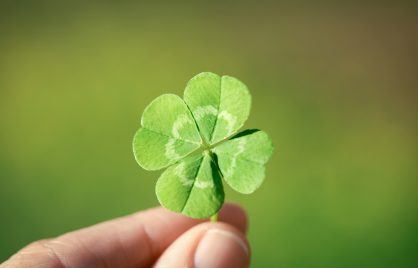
{"x":221,"y":248}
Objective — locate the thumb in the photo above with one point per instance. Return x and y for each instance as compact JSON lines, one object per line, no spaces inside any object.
{"x":208,"y":245}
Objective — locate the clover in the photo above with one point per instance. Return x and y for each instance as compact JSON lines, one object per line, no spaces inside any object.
{"x":196,"y":139}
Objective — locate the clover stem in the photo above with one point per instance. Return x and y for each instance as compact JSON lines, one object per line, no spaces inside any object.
{"x":214,"y":217}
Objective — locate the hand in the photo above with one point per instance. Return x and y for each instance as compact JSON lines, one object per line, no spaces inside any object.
{"x":155,"y":237}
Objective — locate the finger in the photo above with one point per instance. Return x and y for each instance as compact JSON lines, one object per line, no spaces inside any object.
{"x":135,"y":240}
{"x":208,"y":245}
{"x":234,"y":215}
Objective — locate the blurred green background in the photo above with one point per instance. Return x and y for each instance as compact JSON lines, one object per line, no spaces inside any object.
{"x":334,"y":84}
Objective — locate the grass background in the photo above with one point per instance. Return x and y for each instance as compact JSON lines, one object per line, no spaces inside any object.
{"x":334,"y":84}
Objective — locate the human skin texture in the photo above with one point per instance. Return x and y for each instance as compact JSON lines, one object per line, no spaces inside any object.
{"x":155,"y":237}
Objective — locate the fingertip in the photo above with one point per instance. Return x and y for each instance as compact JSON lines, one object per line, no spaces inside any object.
{"x":231,"y":213}
{"x":208,"y":245}
{"x":222,"y":246}
{"x":234,"y":215}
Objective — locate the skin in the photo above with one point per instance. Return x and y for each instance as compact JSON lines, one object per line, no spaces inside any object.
{"x":151,"y":238}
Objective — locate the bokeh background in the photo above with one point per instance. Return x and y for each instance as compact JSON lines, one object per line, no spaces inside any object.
{"x":333,"y":83}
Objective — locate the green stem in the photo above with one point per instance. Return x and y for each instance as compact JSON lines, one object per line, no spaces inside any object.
{"x":214,"y":217}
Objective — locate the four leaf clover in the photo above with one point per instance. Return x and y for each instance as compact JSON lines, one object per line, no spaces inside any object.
{"x":194,"y":138}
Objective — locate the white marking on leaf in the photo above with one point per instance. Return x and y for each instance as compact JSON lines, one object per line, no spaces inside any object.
{"x":202,"y":111}
{"x":180,"y":122}
{"x":203,"y":184}
{"x":230,"y":121}
{"x":170,"y":150}
{"x":180,"y":171}
{"x":240,"y":149}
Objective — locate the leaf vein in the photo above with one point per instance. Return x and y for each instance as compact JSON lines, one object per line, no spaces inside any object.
{"x":219,"y":106}
{"x":194,"y":181}
{"x":170,"y":136}
{"x":243,"y":158}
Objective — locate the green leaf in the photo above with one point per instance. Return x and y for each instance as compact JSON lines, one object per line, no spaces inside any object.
{"x":213,"y":110}
{"x":193,"y":187}
{"x":242,"y":158}
{"x":220,"y":105}
{"x":168,"y":133}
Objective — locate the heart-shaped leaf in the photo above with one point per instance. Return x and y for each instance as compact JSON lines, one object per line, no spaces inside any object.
{"x":193,"y":187}
{"x":168,"y":133}
{"x":220,"y":105}
{"x":242,"y":159}
{"x":214,"y":108}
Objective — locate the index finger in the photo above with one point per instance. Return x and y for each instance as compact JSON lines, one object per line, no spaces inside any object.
{"x":135,"y":240}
